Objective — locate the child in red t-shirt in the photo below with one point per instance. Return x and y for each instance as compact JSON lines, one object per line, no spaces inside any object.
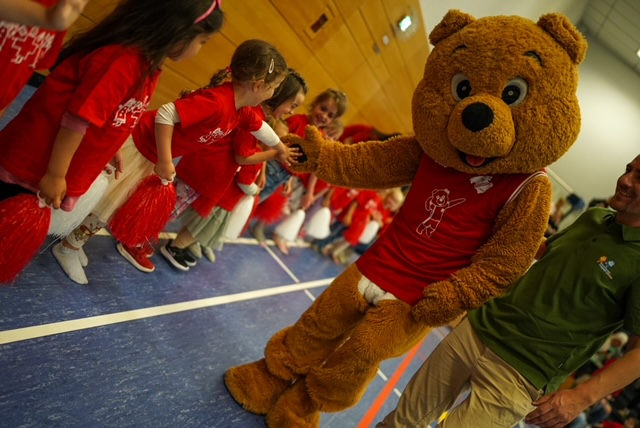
{"x":77,"y":121}
{"x":326,"y":107}
{"x":198,"y":123}
{"x":208,"y":230}
{"x":368,"y":206}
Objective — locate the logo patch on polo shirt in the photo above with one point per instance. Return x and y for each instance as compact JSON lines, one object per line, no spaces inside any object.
{"x":606,"y":265}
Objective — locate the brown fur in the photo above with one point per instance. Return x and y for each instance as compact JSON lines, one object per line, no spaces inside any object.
{"x":254,"y":387}
{"x":334,"y":349}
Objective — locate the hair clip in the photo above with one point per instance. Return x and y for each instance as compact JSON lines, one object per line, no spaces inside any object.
{"x":271,"y":66}
{"x":228,"y":69}
{"x":209,"y":11}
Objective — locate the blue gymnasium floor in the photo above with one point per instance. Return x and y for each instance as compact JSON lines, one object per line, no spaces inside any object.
{"x":150,"y":350}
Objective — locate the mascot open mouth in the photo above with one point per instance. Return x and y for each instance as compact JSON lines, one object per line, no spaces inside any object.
{"x":474,"y":161}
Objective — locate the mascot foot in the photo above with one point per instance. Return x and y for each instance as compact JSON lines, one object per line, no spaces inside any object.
{"x":294,"y":409}
{"x":254,"y":387}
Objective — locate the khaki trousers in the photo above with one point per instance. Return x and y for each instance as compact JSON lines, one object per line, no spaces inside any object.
{"x":499,"y":397}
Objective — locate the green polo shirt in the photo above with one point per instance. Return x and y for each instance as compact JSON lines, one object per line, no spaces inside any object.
{"x":585,"y":287}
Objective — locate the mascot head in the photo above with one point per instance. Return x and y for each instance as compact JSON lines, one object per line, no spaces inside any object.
{"x":498,"y":94}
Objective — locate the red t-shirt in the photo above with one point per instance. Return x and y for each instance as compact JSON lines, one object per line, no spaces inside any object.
{"x":23,"y":50}
{"x":210,"y":170}
{"x":341,"y":199}
{"x":297,"y":123}
{"x":246,"y":176}
{"x":446,"y":217}
{"x":207,"y":118}
{"x":367,"y":202}
{"x":105,"y":88}
{"x":356,"y":133}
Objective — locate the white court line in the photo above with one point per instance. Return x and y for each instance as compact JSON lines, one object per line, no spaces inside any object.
{"x":26,"y":333}
{"x":282,"y":265}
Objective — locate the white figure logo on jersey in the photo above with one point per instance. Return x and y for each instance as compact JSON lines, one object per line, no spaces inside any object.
{"x":213,"y":136}
{"x":436,"y":205}
{"x":130,"y":112}
{"x":29,"y":44}
{"x":481,"y":183}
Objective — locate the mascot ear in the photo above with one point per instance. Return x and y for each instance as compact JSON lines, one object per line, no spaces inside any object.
{"x":566,"y":34}
{"x":452,"y":22}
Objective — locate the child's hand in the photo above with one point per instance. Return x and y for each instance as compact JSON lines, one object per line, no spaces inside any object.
{"x":52,"y":189}
{"x":261,"y":181}
{"x":165,"y":170}
{"x":289,"y":155}
{"x":64,"y":13}
{"x":307,"y":201}
{"x":117,"y":164}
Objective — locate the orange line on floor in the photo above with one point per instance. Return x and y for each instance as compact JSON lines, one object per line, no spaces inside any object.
{"x":369,"y":417}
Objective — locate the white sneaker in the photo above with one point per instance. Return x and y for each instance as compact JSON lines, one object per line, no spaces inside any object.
{"x":84,"y":260}
{"x":209,"y":254}
{"x":69,"y":261}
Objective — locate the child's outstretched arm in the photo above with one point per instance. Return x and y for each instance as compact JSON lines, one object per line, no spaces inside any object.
{"x":28,"y":12}
{"x":258,"y":157}
{"x":268,"y":136}
{"x":166,"y":118}
{"x":53,"y":184}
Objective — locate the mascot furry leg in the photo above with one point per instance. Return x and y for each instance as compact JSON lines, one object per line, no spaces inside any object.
{"x":325,"y":366}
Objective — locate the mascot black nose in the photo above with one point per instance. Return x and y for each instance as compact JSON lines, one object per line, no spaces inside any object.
{"x":477,"y":116}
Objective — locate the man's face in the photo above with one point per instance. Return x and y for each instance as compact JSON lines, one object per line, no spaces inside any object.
{"x":626,"y":200}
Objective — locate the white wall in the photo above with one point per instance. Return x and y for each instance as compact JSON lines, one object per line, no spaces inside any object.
{"x":609,"y":94}
{"x":434,"y":10}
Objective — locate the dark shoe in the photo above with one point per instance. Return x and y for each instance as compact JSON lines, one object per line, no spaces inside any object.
{"x":175,"y":256}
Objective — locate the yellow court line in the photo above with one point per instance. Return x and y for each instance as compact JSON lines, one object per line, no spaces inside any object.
{"x":26,"y":333}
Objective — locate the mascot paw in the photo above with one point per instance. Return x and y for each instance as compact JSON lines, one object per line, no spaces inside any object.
{"x":439,"y":306}
{"x":254,"y":387}
{"x":309,"y":149}
{"x":294,"y":409}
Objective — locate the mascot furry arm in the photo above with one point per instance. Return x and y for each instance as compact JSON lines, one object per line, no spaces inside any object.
{"x":370,"y":165}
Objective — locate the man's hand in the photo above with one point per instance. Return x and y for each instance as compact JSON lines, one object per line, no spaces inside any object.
{"x":557,"y":409}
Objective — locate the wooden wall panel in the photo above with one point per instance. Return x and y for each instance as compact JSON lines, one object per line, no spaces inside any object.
{"x":169,"y":87}
{"x":367,"y":45}
{"x":314,"y":21}
{"x":213,"y":56}
{"x":335,"y":52}
{"x":347,"y":52}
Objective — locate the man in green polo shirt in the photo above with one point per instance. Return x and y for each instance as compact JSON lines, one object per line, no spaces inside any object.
{"x":521,"y":346}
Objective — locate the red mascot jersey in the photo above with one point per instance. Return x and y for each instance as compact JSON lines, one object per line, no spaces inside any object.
{"x":446,"y":217}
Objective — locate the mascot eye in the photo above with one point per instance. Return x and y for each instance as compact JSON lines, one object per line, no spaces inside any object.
{"x":460,"y":86}
{"x":515,"y":92}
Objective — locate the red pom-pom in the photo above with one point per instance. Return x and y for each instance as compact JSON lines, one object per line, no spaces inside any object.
{"x":24,"y":225}
{"x":270,"y":210}
{"x":145,"y":213}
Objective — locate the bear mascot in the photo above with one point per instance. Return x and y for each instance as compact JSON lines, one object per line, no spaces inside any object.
{"x":496,"y":105}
